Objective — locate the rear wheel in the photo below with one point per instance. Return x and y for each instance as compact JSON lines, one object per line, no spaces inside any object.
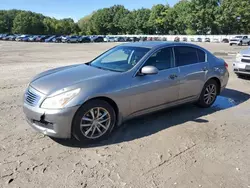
{"x":94,"y":121}
{"x":209,"y":94}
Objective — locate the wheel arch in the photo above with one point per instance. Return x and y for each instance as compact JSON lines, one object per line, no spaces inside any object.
{"x":110,"y":102}
{"x":217,"y":81}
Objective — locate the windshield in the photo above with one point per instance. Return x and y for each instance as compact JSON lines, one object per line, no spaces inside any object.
{"x":120,"y":59}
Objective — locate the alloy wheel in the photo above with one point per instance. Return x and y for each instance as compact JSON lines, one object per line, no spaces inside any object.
{"x":210,"y":94}
{"x":95,"y":122}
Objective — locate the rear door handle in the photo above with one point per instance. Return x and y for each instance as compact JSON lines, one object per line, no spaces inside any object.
{"x":173,"y":76}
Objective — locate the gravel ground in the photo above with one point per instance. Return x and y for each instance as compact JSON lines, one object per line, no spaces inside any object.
{"x":180,"y":147}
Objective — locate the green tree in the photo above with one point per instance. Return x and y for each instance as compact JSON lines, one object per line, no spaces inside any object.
{"x":234,"y":16}
{"x":118,"y":12}
{"x":202,"y":16}
{"x":142,"y":21}
{"x":128,"y":23}
{"x":179,"y":17}
{"x":85,"y":25}
{"x":157,"y":19}
{"x":28,"y":23}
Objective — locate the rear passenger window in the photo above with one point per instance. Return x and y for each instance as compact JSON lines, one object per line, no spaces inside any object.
{"x":201,"y":55}
{"x":188,"y":55}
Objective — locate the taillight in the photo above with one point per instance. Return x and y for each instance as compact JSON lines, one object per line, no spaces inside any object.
{"x":226,"y":65}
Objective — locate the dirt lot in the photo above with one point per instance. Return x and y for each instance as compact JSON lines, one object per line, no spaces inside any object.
{"x":181,"y":147}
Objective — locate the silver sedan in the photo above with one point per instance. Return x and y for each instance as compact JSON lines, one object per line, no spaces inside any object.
{"x":129,"y":80}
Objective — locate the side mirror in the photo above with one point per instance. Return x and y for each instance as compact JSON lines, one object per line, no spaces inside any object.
{"x":149,"y":70}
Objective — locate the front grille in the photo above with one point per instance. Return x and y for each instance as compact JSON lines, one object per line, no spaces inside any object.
{"x":244,"y":70}
{"x":246,"y":56}
{"x":31,"y":97}
{"x":245,"y":60}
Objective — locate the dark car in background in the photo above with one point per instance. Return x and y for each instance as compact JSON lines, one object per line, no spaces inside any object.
{"x":199,"y":39}
{"x":135,"y":39}
{"x":142,"y":39}
{"x":50,"y":39}
{"x":12,"y":37}
{"x":184,"y":39}
{"x":57,"y":39}
{"x":6,"y":37}
{"x":25,"y":39}
{"x":42,"y":38}
{"x":84,"y":39}
{"x":128,"y":39}
{"x":149,"y":38}
{"x":164,"y":39}
{"x":177,"y":39}
{"x":207,"y":40}
{"x":97,"y":39}
{"x":225,"y":40}
{"x":120,"y":39}
{"x":3,"y":36}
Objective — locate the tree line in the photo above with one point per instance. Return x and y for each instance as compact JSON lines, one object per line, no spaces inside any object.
{"x":27,"y":22}
{"x":186,"y":17}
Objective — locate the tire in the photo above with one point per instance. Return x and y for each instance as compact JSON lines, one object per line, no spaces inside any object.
{"x":85,"y":133}
{"x":202,"y":102}
{"x":248,"y":43}
{"x":240,"y":44}
{"x":230,"y":44}
{"x":239,"y":75}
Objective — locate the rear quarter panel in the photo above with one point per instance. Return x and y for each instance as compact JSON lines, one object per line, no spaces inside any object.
{"x":217,"y":69}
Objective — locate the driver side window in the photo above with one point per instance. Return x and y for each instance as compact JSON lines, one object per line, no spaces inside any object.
{"x":162,"y":59}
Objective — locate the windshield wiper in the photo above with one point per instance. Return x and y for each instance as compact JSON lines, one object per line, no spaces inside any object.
{"x":112,"y":70}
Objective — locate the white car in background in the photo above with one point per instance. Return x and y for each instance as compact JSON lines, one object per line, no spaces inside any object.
{"x":216,"y":40}
{"x":239,"y":40}
{"x":242,"y":64}
{"x":110,"y":39}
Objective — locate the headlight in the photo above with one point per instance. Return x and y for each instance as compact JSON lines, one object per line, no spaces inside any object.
{"x":59,"y":101}
{"x":238,"y":57}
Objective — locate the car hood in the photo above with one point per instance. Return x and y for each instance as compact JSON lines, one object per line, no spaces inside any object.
{"x":246,"y":51}
{"x":63,"y":77}
{"x":236,"y":39}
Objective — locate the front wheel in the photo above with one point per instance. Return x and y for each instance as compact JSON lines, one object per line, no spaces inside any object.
{"x":94,"y":121}
{"x":209,"y":94}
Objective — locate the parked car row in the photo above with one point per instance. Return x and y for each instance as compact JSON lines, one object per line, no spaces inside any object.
{"x":68,"y":39}
{"x":51,"y":38}
{"x":237,"y":40}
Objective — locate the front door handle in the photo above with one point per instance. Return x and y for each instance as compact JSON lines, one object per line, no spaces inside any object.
{"x":173,"y":76}
{"x":204,"y":69}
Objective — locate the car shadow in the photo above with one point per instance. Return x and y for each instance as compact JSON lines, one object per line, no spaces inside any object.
{"x":155,"y":122}
{"x":244,"y":77}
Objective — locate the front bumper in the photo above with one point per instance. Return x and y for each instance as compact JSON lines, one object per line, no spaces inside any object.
{"x":54,"y":123}
{"x":234,"y":42}
{"x":240,"y":68}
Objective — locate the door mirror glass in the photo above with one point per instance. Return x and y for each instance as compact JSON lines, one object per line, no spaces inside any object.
{"x":149,"y":70}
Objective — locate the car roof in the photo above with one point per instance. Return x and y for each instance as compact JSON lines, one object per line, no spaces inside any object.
{"x":158,"y":44}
